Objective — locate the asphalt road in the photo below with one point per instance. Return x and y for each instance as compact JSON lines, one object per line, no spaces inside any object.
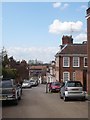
{"x":36,"y":103}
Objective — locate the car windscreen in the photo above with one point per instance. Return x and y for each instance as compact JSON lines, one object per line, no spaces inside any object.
{"x":26,"y":82}
{"x":32,"y":80}
{"x":74,"y":84}
{"x":56,"y":83}
{"x":5,"y":84}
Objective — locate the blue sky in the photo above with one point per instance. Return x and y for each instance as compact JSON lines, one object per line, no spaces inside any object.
{"x":33,"y":30}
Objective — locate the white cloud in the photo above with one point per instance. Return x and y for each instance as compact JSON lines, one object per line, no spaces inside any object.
{"x":59,"y":27}
{"x":42,"y":53}
{"x":64,"y":6}
{"x":56,"y":4}
{"x":60,"y":5}
{"x":81,"y":37}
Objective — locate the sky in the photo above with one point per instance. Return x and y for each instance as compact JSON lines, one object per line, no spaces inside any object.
{"x":34,"y":30}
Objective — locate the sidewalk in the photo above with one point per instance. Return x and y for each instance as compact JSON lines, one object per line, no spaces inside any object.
{"x":87,"y":97}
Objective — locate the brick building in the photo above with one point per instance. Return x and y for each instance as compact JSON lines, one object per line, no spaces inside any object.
{"x":71,"y":58}
{"x":39,"y":71}
{"x":88,"y":46}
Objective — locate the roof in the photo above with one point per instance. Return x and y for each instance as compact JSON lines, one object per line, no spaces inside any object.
{"x":73,"y":49}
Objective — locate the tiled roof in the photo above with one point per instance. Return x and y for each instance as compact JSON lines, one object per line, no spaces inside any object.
{"x":37,"y":67}
{"x":74,"y":49}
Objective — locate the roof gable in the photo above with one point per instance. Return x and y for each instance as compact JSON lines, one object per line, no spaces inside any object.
{"x":74,"y":49}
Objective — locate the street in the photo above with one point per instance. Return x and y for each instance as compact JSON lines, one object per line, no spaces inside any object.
{"x":36,"y":103}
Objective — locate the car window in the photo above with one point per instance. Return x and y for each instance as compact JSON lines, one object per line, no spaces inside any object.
{"x":56,"y":83}
{"x":6,"y":84}
{"x":74,"y":84}
{"x":62,"y":84}
{"x":31,"y":80}
{"x":26,"y":82}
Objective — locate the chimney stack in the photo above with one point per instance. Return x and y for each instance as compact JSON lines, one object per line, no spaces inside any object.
{"x":67,"y":40}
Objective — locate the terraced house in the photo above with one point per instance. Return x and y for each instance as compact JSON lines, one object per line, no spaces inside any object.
{"x":71,"y":61}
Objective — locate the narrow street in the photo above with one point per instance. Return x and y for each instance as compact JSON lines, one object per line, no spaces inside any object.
{"x":35,"y":103}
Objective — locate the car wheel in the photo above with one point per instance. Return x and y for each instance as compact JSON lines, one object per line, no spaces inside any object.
{"x":16,"y":102}
{"x":65,"y":98}
{"x":19,"y":97}
{"x":61,"y":96}
{"x":83,"y":99}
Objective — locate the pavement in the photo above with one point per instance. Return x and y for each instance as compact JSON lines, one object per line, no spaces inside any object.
{"x":87,"y":96}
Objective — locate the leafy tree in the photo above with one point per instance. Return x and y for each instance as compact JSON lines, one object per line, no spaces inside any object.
{"x":9,"y":73}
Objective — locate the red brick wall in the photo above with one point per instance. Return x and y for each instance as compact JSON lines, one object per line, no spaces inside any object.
{"x":79,"y":75}
{"x":67,"y":40}
{"x":70,"y":69}
{"x":88,"y":48}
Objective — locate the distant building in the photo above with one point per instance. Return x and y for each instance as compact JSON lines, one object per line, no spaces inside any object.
{"x":88,"y":45}
{"x":31,"y":62}
{"x":70,"y":58}
{"x":39,"y":71}
{"x":51,"y":72}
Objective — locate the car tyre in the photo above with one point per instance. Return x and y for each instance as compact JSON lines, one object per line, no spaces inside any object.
{"x":16,"y":102}
{"x":83,"y":99}
{"x":19,"y":98}
{"x":61,"y":96}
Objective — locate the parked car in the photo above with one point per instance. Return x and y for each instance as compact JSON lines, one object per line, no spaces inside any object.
{"x":72,"y":90}
{"x":54,"y":86}
{"x":9,"y":91}
{"x":26,"y":84}
{"x":34,"y":82}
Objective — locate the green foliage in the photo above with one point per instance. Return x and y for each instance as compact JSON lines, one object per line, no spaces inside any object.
{"x":9,"y":73}
{"x":5,"y":61}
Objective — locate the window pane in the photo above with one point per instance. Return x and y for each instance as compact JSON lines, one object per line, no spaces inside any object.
{"x":85,"y":61}
{"x":66,"y":76}
{"x":65,"y":61}
{"x":76,"y":61}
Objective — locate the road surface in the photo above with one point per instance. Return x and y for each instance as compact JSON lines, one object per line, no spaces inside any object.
{"x":36,"y":103}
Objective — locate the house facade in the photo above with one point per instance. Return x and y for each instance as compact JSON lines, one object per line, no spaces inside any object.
{"x":88,"y":45}
{"x":71,"y":58}
{"x":51,"y":72}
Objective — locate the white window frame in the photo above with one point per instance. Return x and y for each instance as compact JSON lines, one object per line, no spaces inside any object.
{"x":73,"y":76}
{"x":84,"y":61}
{"x":78,"y":62}
{"x":68,"y":61}
{"x":64,"y":76}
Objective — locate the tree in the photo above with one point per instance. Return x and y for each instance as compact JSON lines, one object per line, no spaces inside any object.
{"x":9,"y":73}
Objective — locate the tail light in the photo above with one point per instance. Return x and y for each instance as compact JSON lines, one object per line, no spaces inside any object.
{"x":66,"y":89}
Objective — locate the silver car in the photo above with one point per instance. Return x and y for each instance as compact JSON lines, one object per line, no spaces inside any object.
{"x":26,"y":84}
{"x":72,"y":89}
{"x":34,"y":82}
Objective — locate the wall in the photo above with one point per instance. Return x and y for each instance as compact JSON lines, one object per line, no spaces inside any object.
{"x":57,"y":68}
{"x":88,"y":47}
